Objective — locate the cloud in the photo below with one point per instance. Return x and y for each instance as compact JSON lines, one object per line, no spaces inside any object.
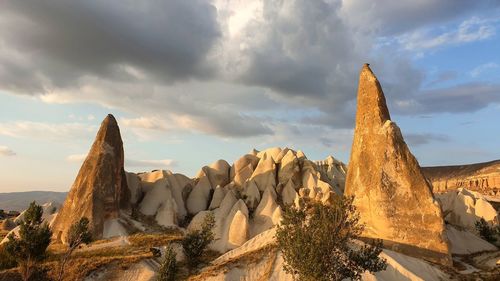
{"x":443,"y":76}
{"x":47,"y":131}
{"x":55,"y":43}
{"x":473,"y":29}
{"x":461,"y":98}
{"x":417,"y":139}
{"x":5,"y":151}
{"x":150,"y":123}
{"x":233,"y":69}
{"x":162,"y":163}
{"x":482,"y":68}
{"x":387,"y":17}
{"x":76,"y":158}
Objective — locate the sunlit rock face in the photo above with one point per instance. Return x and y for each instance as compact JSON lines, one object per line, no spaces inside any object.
{"x":392,"y":195}
{"x":100,"y":189}
{"x":245,"y":198}
{"x":481,"y":177}
{"x":463,"y":208}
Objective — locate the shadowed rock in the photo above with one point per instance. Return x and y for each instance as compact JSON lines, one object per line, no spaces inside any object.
{"x":392,"y":195}
{"x":100,"y":188}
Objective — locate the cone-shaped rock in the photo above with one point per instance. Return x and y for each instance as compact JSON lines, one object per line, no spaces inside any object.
{"x":390,"y":192}
{"x":100,"y":189}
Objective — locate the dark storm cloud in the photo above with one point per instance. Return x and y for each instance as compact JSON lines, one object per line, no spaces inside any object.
{"x":64,"y":40}
{"x":178,"y":60}
{"x":300,"y":49}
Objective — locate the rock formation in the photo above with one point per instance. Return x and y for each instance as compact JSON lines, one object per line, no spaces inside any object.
{"x":394,"y":199}
{"x":481,"y":177}
{"x":245,"y":198}
{"x":463,"y":208}
{"x":100,"y":189}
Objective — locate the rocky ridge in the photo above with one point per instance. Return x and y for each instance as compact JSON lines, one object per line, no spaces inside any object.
{"x":481,"y":177}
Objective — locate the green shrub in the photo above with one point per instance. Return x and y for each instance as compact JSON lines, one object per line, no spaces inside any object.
{"x":168,"y":267}
{"x":196,"y":241}
{"x":34,"y":238}
{"x":319,"y":242}
{"x":78,"y":234}
{"x":6,"y":260}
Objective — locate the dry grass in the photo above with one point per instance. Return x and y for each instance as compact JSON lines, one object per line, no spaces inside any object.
{"x":248,"y":259}
{"x":85,"y":261}
{"x":153,"y":240}
{"x":3,"y":233}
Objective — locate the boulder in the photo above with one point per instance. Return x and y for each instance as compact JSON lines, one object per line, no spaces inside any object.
{"x":217,"y":198}
{"x":272,"y":152}
{"x":155,"y":197}
{"x":265,"y":173}
{"x":289,"y":195}
{"x":199,"y":197}
{"x":167,"y":213}
{"x":134,"y":186}
{"x":252,"y":195}
{"x":263,"y":215}
{"x":243,"y":168}
{"x":237,"y":226}
{"x":391,"y":194}
{"x":289,"y":168}
{"x":464,"y":208}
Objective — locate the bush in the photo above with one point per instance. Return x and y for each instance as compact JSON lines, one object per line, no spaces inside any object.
{"x":168,"y":267}
{"x":318,"y":242}
{"x":6,"y":260}
{"x":485,"y":231}
{"x":34,"y":238}
{"x":78,"y":234}
{"x":195,"y":242}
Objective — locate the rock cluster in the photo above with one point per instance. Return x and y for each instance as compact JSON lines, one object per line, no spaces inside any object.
{"x":390,"y":192}
{"x":463,"y":208}
{"x":246,"y":198}
{"x":100,"y":188}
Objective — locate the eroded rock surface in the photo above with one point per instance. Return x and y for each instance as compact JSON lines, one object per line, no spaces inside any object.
{"x":480,"y":177}
{"x":392,"y":195}
{"x":100,"y":189}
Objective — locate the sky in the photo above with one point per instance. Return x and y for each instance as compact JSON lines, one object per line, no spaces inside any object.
{"x":191,"y":82}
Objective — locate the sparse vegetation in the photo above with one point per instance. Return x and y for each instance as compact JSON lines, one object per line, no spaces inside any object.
{"x":34,"y":238}
{"x":168,"y":267}
{"x":486,"y":231}
{"x":196,"y":241}
{"x":318,"y":242}
{"x":78,"y":234}
{"x":6,"y":260}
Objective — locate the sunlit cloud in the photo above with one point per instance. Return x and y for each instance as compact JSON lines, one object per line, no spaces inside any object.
{"x":5,"y":151}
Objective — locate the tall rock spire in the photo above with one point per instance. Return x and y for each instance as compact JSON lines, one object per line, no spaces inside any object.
{"x":393,"y":197}
{"x":100,"y":189}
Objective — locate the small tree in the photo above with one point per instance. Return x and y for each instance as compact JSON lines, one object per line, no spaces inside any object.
{"x":318,"y":242}
{"x":196,"y":241}
{"x":31,"y":246}
{"x":168,"y":267}
{"x":78,"y":234}
{"x":485,"y":230}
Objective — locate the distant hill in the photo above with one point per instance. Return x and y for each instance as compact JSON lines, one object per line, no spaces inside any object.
{"x":19,"y":201}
